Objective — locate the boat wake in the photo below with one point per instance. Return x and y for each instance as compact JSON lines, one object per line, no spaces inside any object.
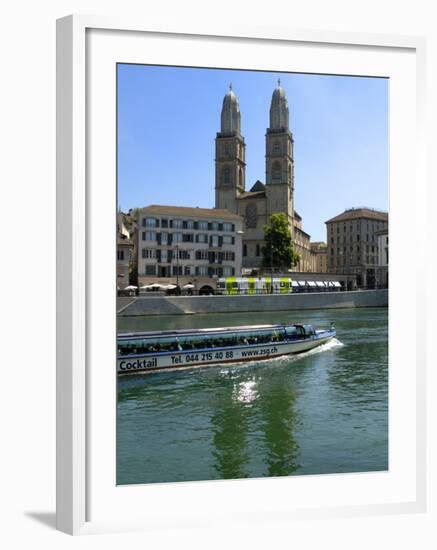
{"x":285,"y":359}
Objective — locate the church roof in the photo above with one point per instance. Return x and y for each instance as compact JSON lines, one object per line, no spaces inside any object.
{"x":252,"y":195}
{"x":192,"y":212}
{"x":258,"y":186}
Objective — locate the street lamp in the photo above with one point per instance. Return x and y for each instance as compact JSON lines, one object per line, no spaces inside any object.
{"x":177,"y":265}
{"x":240,"y":232}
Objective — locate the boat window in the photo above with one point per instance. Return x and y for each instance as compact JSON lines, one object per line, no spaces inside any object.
{"x":309,"y":330}
{"x":159,"y":344}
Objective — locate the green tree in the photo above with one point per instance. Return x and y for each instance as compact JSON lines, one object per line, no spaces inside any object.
{"x":279,"y":244}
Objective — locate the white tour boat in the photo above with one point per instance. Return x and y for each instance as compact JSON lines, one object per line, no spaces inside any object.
{"x":143,"y":352}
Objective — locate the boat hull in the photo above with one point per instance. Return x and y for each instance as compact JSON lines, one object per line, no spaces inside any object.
{"x":141,"y":364}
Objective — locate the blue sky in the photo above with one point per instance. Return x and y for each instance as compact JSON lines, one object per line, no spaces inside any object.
{"x":168,"y":118}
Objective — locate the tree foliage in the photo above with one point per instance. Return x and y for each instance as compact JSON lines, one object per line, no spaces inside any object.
{"x":278,"y":251}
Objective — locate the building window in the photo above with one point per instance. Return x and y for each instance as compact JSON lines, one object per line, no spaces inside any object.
{"x":187,"y":270}
{"x":226,"y":175}
{"x":163,"y":256}
{"x":240,"y":177}
{"x":276,"y":148}
{"x":164,"y":239}
{"x":164,"y":223}
{"x":227,"y":271}
{"x":202,"y":270}
{"x":276,"y":172}
{"x":150,"y":269}
{"x":244,"y":249}
{"x":120,"y":254}
{"x":202,"y":238}
{"x":203,"y":225}
{"x":148,"y":253}
{"x":149,"y":222}
{"x":149,"y":236}
{"x":214,"y":240}
{"x":227,"y":239}
{"x":177,"y":237}
{"x":258,"y":250}
{"x":227,"y":227}
{"x":251,"y":216}
{"x":183,"y":254}
{"x":177,"y":224}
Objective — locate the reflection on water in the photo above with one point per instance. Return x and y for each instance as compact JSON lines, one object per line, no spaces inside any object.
{"x":322,"y":412}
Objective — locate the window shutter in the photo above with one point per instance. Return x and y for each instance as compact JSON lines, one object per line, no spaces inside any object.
{"x":170,"y":238}
{"x":169,"y":256}
{"x":158,"y":238}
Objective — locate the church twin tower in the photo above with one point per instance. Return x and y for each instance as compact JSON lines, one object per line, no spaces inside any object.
{"x":276,"y":195}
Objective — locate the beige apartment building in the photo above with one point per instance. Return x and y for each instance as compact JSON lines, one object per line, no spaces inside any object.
{"x":302,"y":246}
{"x":352,"y":239}
{"x":319,"y":252}
{"x":382,"y":269}
{"x":181,"y":245}
{"x":125,"y":248}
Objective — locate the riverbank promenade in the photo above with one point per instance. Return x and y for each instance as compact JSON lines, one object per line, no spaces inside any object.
{"x":185,"y":305}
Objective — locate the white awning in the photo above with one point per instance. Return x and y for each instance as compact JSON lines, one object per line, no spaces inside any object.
{"x":320,"y":283}
{"x":294,"y":283}
{"x":311,"y":283}
{"x":336,"y":283}
{"x":302,"y":283}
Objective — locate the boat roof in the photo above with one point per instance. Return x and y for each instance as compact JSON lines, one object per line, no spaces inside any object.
{"x":199,"y":331}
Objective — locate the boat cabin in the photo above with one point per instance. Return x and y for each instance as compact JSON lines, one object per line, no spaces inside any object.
{"x":154,"y":343}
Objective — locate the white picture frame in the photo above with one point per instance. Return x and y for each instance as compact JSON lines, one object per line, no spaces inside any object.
{"x":77,"y":281}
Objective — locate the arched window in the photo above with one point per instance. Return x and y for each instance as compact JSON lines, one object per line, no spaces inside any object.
{"x":240,"y":177}
{"x":251,"y":216}
{"x":226,"y":175}
{"x":276,"y":172}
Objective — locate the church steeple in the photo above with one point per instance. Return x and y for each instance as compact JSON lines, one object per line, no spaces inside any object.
{"x":279,"y":116}
{"x":279,"y":157}
{"x":230,"y":118}
{"x":230,"y":165}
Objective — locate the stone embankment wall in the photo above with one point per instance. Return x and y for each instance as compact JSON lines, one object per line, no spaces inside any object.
{"x":179,"y":305}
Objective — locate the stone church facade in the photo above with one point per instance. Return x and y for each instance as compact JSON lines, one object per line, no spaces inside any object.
{"x":263,"y":199}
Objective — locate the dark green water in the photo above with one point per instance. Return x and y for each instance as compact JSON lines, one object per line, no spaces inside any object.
{"x":321,"y":412}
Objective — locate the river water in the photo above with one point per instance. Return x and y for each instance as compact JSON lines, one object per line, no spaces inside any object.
{"x":325,"y":411}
